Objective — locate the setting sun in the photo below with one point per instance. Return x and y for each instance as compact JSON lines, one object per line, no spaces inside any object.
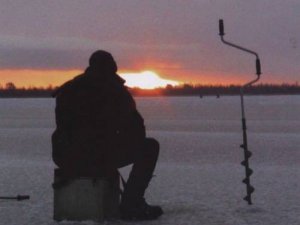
{"x":146,"y":80}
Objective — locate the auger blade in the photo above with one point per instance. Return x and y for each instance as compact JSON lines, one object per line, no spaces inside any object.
{"x":243,"y":163}
{"x":246,"y":181}
{"x":248,"y":199}
{"x":249,"y":172}
{"x":250,"y":189}
{"x":248,"y":154}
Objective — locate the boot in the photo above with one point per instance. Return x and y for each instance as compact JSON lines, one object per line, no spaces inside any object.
{"x":139,"y":210}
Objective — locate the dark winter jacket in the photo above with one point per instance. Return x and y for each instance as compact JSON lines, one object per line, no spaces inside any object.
{"x":95,"y":115}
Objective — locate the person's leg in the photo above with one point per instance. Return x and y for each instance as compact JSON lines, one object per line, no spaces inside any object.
{"x":142,"y":171}
{"x":133,"y":205}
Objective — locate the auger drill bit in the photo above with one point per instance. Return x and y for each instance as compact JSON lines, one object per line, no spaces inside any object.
{"x":244,"y":146}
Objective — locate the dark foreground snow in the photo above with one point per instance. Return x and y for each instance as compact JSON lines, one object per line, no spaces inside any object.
{"x":198,"y":174}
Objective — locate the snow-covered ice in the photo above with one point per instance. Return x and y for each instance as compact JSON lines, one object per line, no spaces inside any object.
{"x":198,"y":176}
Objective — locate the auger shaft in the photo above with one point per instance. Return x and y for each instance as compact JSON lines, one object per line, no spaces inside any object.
{"x":247,"y":153}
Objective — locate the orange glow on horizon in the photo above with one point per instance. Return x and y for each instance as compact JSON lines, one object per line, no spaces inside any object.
{"x":37,"y":78}
{"x":146,"y":79}
{"x":45,"y":78}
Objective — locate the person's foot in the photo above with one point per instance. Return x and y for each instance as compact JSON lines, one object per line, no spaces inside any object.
{"x":140,"y":211}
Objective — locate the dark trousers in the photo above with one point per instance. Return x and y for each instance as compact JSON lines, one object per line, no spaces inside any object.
{"x":143,"y":157}
{"x":142,"y":154}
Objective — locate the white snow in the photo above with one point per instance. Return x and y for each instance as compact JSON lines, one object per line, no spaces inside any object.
{"x":198,"y":176}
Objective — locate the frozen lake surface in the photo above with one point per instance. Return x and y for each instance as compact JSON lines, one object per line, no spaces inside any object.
{"x":198,"y":177}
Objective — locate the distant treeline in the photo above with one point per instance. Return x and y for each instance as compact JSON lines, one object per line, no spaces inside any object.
{"x":205,"y":90}
{"x":10,"y":90}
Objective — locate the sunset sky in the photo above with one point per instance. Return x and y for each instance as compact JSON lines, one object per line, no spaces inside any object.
{"x":46,"y":42}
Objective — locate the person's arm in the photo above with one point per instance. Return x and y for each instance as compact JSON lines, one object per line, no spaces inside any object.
{"x":129,"y":119}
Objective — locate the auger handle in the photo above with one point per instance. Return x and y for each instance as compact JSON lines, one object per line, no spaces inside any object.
{"x":257,"y":62}
{"x":18,"y":197}
{"x":221,"y":28}
{"x":23,"y":197}
{"x":258,"y":67}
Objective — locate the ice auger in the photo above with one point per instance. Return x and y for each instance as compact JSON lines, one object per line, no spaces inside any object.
{"x":244,"y":146}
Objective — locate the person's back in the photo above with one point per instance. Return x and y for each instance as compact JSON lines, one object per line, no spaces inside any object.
{"x":100,"y":130}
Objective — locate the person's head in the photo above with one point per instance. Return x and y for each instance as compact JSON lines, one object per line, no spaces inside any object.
{"x":103,"y":62}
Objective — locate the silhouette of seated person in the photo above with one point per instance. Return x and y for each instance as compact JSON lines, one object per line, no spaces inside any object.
{"x":99,"y":130}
